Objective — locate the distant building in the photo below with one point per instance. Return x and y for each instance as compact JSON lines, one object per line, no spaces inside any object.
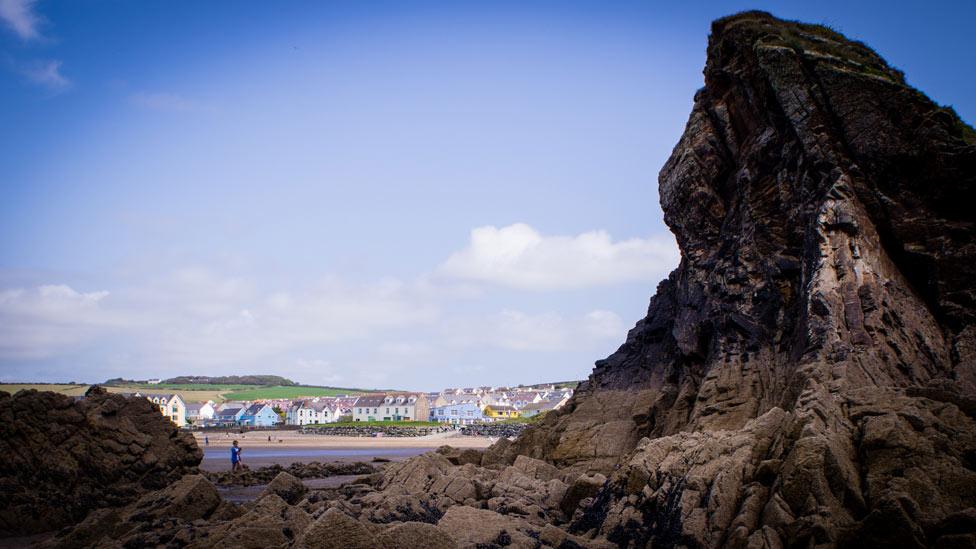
{"x":539,"y":408}
{"x":392,"y":407}
{"x":523,"y":398}
{"x":232,"y":404}
{"x":259,"y":415}
{"x":499,"y":412}
{"x":458,"y":414}
{"x":229,"y":416}
{"x":367,"y":408}
{"x":156,"y":381}
{"x":300,"y":412}
{"x":200,"y":411}
{"x":171,"y":406}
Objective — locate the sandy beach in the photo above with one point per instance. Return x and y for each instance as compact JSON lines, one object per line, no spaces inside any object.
{"x":287,"y":447}
{"x":291,"y":439}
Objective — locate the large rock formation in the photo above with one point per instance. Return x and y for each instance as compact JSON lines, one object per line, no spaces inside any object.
{"x":805,"y":378}
{"x":62,"y":458}
{"x":806,"y":374}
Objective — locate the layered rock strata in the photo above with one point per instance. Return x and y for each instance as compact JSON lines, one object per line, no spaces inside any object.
{"x":805,"y":376}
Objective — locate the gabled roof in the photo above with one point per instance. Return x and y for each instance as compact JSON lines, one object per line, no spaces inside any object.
{"x":371,"y":400}
{"x":229,"y":412}
{"x":544,"y":405}
{"x":255,"y":408}
{"x":501,"y":408}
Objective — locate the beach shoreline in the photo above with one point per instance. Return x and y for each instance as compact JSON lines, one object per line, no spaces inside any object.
{"x":287,"y":447}
{"x":294,"y":439}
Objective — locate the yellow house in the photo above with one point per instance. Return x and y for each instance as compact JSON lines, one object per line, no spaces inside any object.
{"x":171,"y":406}
{"x":495,"y":412}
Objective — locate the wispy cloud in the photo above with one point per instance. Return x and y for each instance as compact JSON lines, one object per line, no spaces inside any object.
{"x":46,"y":74}
{"x":19,"y":16}
{"x":549,"y":331}
{"x":519,"y":256}
{"x":164,"y":101}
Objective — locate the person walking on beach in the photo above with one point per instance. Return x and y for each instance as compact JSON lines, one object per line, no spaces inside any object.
{"x":235,"y":458}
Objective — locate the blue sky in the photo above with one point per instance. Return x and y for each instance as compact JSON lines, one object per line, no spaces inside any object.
{"x":409,"y":194}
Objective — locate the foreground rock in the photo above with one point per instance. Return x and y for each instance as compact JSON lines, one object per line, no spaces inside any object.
{"x":62,"y":457}
{"x":311,"y":470}
{"x":806,"y":375}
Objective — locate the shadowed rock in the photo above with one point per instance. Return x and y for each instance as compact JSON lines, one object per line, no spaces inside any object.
{"x":64,"y":457}
{"x":806,"y":374}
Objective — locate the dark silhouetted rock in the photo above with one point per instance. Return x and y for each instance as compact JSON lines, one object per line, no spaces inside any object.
{"x":63,"y":458}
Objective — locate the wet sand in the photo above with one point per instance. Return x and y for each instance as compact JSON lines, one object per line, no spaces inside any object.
{"x":217,"y":458}
{"x":287,"y":447}
{"x":259,"y":439}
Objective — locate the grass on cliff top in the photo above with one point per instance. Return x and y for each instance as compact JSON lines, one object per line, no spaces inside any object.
{"x":70,"y":389}
{"x":286,"y":391}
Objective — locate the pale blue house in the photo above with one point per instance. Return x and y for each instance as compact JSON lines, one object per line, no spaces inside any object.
{"x":259,"y":415}
{"x":464,"y":413}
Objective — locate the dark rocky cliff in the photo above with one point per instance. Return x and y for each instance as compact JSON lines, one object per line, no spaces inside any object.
{"x":61,"y":458}
{"x":806,"y":374}
{"x":804,"y":378}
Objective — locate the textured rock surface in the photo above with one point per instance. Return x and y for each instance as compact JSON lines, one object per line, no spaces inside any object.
{"x":62,"y":458}
{"x":806,"y":375}
{"x":805,"y":378}
{"x":287,"y":487}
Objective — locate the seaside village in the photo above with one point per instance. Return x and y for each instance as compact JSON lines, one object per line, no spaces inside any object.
{"x":465,"y":406}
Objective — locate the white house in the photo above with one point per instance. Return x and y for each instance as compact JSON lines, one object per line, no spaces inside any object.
{"x":326,"y":411}
{"x":367,"y":408}
{"x":301,"y":413}
{"x":524,"y":398}
{"x":200,"y":411}
{"x":171,"y":406}
{"x":392,"y":407}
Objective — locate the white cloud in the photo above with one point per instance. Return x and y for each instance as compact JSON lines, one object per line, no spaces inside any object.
{"x":48,"y":320}
{"x":20,"y":17}
{"x":164,"y":101}
{"x":195,"y":318}
{"x":519,"y":256}
{"x":47,"y":74}
{"x":549,"y":331}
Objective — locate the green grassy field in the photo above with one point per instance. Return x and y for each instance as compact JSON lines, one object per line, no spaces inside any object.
{"x":255,"y":393}
{"x":186,"y":387}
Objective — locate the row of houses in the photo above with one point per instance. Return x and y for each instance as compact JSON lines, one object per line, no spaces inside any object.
{"x":454,"y":406}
